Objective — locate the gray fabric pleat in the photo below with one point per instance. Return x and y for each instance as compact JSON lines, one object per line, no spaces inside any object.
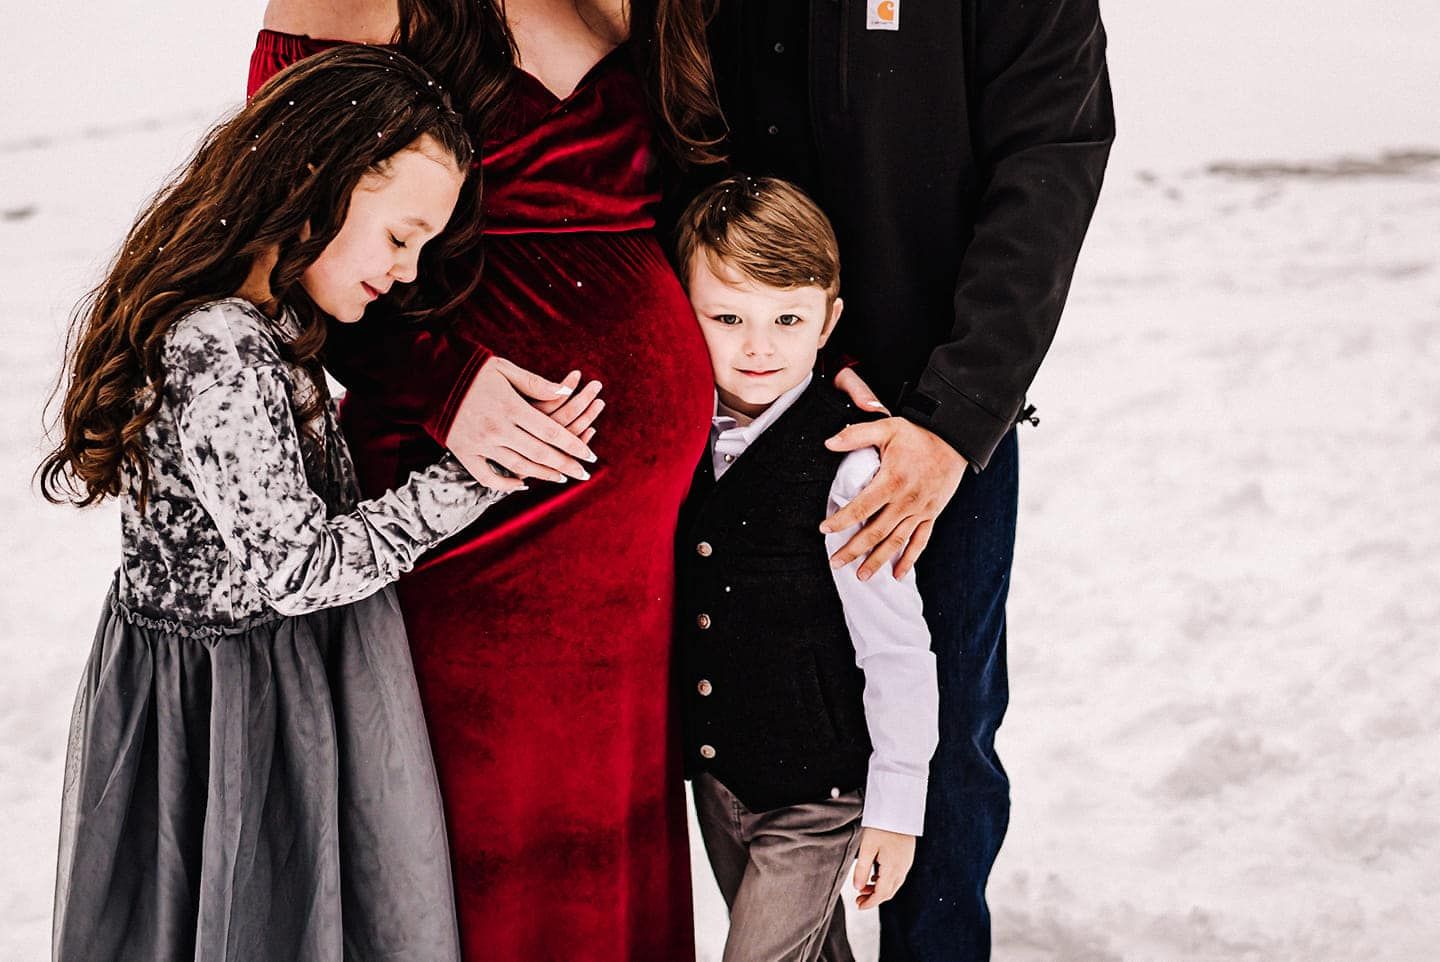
{"x":262,"y":791}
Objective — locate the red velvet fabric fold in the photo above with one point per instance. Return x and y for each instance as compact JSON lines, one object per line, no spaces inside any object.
{"x":584,"y":162}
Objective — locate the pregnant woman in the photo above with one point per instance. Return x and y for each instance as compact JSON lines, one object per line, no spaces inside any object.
{"x":541,"y":638}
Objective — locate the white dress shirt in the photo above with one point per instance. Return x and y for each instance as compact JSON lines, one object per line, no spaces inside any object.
{"x":886,"y":620}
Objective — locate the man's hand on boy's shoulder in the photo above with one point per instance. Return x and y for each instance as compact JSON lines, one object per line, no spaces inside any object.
{"x":881,"y":865}
{"x":919,"y":474}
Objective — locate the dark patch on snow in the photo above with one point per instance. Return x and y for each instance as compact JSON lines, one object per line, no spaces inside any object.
{"x":1391,"y":163}
{"x":103,"y":132}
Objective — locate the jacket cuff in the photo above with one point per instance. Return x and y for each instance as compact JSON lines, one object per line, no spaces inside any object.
{"x":956,"y":418}
{"x":460,"y":374}
{"x":895,"y":802}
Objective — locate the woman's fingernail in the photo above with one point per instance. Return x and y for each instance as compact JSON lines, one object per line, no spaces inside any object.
{"x":872,"y":403}
{"x":564,"y":391}
{"x":584,"y":475}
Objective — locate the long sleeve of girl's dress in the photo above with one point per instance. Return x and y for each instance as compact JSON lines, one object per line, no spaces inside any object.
{"x":242,"y":454}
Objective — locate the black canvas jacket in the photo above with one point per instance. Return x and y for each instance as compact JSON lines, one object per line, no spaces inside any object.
{"x":960,"y":158}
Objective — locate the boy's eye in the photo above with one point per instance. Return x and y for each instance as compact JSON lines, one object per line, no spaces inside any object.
{"x":728,"y":318}
{"x":788,"y":320}
{"x":396,"y":241}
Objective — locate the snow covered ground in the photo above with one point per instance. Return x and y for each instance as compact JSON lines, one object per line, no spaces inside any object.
{"x":1224,"y":632}
{"x":1227,"y":599}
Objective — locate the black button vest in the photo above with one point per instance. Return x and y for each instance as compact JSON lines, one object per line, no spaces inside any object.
{"x":771,"y":696}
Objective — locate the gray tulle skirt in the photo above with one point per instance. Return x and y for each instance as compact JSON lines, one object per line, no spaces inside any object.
{"x":258,"y":792}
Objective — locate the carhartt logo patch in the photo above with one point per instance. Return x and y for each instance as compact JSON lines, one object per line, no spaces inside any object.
{"x":882,"y":14}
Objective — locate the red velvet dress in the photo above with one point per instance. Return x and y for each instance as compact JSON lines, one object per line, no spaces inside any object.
{"x":542,"y":636}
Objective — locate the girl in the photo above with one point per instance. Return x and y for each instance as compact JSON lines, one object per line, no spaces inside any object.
{"x":247,"y":752}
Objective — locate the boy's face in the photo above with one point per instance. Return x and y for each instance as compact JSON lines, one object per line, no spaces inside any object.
{"x":763,"y":340}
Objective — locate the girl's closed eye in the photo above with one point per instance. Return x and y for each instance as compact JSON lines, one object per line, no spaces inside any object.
{"x":397,"y":241}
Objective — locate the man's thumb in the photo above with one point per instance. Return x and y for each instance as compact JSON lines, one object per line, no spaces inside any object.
{"x":853,"y":437}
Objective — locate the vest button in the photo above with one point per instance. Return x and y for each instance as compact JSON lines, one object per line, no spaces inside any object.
{"x":704,"y":550}
{"x":729,"y":458}
{"x":703,"y":620}
{"x":706,"y":751}
{"x":834,"y":793}
{"x":704,"y":687}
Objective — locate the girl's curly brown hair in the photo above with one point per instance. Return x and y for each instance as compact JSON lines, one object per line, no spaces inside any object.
{"x":286,"y":162}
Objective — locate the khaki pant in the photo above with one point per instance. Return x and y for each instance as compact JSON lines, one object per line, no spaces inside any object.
{"x":781,"y":872}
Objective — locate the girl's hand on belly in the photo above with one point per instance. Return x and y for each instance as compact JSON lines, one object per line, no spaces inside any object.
{"x":497,"y":422}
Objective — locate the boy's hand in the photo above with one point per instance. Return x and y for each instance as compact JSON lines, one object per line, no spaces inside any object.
{"x":881,"y":866}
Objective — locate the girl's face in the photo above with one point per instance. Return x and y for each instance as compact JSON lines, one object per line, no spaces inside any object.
{"x":392,"y":215}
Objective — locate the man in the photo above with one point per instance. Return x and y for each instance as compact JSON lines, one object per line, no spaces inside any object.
{"x":959,"y":148}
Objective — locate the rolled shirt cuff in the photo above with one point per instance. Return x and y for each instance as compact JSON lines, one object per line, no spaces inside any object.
{"x":895,"y":802}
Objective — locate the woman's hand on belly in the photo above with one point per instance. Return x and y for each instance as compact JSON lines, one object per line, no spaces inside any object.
{"x":578,"y":412}
{"x":497,"y":422}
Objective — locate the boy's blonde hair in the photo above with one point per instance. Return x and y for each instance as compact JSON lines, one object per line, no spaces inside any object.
{"x":766,"y":228}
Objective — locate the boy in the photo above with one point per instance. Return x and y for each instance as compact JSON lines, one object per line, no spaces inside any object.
{"x":809,"y":695}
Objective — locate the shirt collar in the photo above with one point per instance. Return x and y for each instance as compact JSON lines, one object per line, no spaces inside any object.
{"x":724,"y":423}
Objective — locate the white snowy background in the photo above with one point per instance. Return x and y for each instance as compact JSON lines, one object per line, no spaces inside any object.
{"x":1226,"y":689}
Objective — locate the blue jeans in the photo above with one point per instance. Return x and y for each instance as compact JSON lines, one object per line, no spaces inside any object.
{"x":964,"y":576}
{"x":940,"y":914}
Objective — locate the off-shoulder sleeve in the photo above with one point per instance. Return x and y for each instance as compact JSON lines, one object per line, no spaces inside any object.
{"x":274,"y":51}
{"x":242,"y":455}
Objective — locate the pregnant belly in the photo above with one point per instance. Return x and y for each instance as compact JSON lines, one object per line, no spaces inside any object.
{"x":608,"y":305}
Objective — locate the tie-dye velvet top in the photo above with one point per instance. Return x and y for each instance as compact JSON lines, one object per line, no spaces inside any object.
{"x":248,"y":514}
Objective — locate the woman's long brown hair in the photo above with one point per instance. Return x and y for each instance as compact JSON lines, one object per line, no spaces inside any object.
{"x":287,"y":161}
{"x":469,"y":47}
